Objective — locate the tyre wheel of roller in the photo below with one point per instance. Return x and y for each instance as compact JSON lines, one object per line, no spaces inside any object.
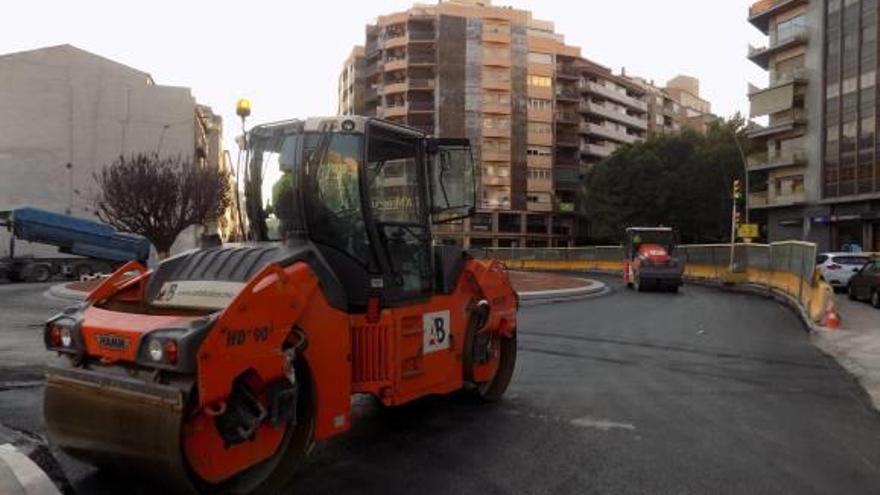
{"x":272,"y":476}
{"x":493,"y":389}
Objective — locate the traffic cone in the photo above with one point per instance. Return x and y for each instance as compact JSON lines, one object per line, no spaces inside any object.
{"x":831,"y":319}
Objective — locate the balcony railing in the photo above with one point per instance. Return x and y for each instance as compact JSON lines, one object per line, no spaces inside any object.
{"x":758,"y":199}
{"x":601,"y":110}
{"x":566,"y":139}
{"x":421,"y":106}
{"x":608,"y":132}
{"x":417,"y":83}
{"x":761,"y":54}
{"x":567,"y":70}
{"x":567,"y":94}
{"x":567,"y":117}
{"x":415,"y":35}
{"x":765,"y":160}
{"x":613,"y":94}
{"x":602,"y":150}
{"x":422,"y":58}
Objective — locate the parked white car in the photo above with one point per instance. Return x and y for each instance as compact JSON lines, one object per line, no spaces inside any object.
{"x":838,"y":268}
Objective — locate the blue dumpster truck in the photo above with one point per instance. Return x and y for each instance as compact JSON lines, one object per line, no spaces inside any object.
{"x":96,"y":247}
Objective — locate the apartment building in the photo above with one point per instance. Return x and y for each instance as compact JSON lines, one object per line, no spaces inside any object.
{"x":66,"y":112}
{"x":816,"y":176}
{"x":350,"y":101}
{"x":676,"y":106}
{"x":536,"y":112}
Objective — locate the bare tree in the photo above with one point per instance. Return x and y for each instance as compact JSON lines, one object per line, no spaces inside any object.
{"x":159,"y":197}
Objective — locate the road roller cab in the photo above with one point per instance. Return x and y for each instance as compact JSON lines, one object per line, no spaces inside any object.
{"x":215,"y":371}
{"x":649,"y":262}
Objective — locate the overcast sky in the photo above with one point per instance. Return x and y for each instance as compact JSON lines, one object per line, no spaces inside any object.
{"x":285,"y":56}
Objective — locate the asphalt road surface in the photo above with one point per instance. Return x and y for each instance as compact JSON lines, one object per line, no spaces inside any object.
{"x":700,"y":392}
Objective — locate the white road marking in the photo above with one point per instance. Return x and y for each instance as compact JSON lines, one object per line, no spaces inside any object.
{"x":601,"y":424}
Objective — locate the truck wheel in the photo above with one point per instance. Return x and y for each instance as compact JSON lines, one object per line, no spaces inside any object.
{"x":39,"y":273}
{"x":82,"y":270}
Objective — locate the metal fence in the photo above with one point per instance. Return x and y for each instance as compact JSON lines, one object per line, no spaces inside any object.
{"x":786,"y":267}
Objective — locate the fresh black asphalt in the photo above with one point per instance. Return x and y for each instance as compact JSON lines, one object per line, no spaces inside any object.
{"x":700,"y":392}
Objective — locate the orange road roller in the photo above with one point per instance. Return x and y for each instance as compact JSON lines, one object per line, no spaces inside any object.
{"x":217,"y":370}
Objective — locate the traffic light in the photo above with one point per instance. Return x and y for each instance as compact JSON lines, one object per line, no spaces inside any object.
{"x":737,"y":191}
{"x":737,"y":217}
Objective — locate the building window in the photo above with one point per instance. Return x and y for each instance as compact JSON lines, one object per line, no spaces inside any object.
{"x":540,"y":128}
{"x":540,"y":104}
{"x":540,"y":81}
{"x":790,"y":28}
{"x":496,"y":122}
{"x":539,"y":174}
{"x":496,"y":97}
{"x":786,"y":186}
{"x":540,"y":58}
{"x":539,"y":151}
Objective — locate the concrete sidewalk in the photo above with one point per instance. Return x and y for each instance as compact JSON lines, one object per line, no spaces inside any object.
{"x":856,"y":345}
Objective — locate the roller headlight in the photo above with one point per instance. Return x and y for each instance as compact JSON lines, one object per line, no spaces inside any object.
{"x":155,"y":350}
{"x":66,"y":337}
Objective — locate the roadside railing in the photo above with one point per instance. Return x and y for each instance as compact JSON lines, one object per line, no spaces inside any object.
{"x":784,"y":267}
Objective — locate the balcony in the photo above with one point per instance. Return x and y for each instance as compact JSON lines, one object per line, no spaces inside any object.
{"x":567,"y":140}
{"x":495,"y":180}
{"x":371,"y":94}
{"x":611,"y":114}
{"x":763,"y":54}
{"x":540,"y":115}
{"x":496,"y":108}
{"x":567,"y":71}
{"x":539,"y":185}
{"x":420,"y":106}
{"x":496,"y":131}
{"x":495,"y":155}
{"x":418,"y":36}
{"x":496,"y":35}
{"x":539,"y":161}
{"x":499,"y":84}
{"x":497,"y":59}
{"x":612,"y":94}
{"x":395,"y":87}
{"x":781,"y":123}
{"x":767,"y":161}
{"x":392,"y":64}
{"x":758,"y":199}
{"x":600,"y":150}
{"x":761,"y":12}
{"x":608,"y":133}
{"x":394,"y":40}
{"x":567,"y":118}
{"x":567,"y":94}
{"x":421,"y":84}
{"x":422,"y":58}
{"x":764,"y":199}
{"x":394,"y":111}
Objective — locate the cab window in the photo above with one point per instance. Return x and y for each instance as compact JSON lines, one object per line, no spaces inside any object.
{"x":337,"y":219}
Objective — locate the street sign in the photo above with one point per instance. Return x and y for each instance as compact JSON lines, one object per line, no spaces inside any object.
{"x":748,"y":231}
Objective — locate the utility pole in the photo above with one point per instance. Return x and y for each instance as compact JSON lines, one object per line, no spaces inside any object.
{"x":745,"y":163}
{"x":734,"y":220}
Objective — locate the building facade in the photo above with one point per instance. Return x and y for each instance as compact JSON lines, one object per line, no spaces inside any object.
{"x":535,"y":111}
{"x":65,"y":113}
{"x":676,"y":106}
{"x":817,"y":176}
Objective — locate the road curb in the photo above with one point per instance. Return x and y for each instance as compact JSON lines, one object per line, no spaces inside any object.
{"x":60,"y":291}
{"x":27,"y":467}
{"x":591,"y":289}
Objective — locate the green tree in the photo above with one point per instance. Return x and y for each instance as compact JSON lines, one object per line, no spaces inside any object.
{"x":682,"y":180}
